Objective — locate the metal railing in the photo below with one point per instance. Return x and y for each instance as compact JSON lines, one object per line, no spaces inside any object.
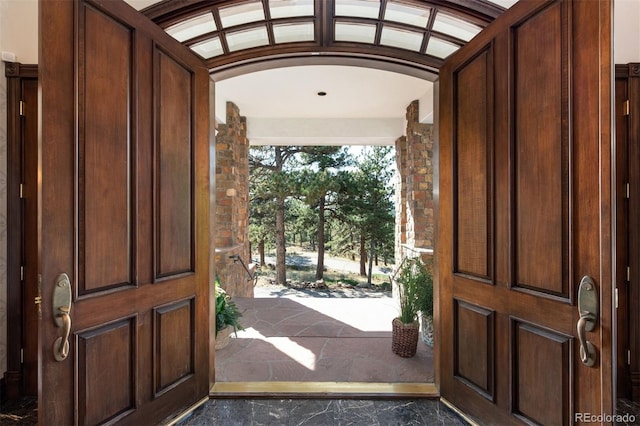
{"x":252,"y":277}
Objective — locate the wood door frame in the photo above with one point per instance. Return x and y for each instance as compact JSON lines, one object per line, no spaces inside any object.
{"x":15,"y":73}
{"x":628,"y":229}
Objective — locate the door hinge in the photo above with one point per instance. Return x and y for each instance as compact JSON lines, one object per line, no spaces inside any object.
{"x":22,"y":108}
{"x":22,"y":273}
{"x":38,"y":300}
{"x":626,"y":108}
{"x":22,"y":190}
{"x":616,"y":297}
{"x":21,"y":356}
{"x":628,"y":274}
{"x":628,"y":356}
{"x":627,"y":191}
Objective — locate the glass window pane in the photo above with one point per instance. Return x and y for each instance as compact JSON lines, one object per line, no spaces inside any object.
{"x":411,"y":15}
{"x":192,"y":27}
{"x":401,"y":38}
{"x":441,"y":48}
{"x":358,"y":8}
{"x":504,"y":3}
{"x":455,"y":27}
{"x":241,"y":14}
{"x":246,"y":39}
{"x":361,"y":33}
{"x":289,"y":8}
{"x":289,"y":33}
{"x":209,"y":48}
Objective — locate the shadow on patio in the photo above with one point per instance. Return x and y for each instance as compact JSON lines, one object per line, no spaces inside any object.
{"x":319,"y":339}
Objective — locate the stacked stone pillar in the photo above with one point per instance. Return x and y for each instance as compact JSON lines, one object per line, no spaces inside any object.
{"x":414,"y":189}
{"x":231,"y":228}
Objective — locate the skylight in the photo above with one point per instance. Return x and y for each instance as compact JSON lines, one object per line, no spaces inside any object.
{"x":358,"y":8}
{"x":360,"y":33}
{"x":192,"y":27}
{"x":441,"y":48}
{"x":401,"y":38}
{"x":421,"y":32}
{"x":245,"y":39}
{"x":241,"y":14}
{"x":209,"y":48}
{"x":290,"y":8}
{"x":289,"y":33}
{"x":455,"y":27}
{"x":411,"y":15}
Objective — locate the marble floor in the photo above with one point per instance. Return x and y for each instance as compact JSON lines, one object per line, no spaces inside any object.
{"x":324,"y":412}
{"x":318,"y":337}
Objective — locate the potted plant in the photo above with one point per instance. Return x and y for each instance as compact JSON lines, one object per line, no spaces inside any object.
{"x":425,"y":302}
{"x":227,"y":315}
{"x":412,"y":286}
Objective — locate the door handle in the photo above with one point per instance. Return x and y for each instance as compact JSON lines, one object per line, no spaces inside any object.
{"x":62,"y":316}
{"x":588,"y":310}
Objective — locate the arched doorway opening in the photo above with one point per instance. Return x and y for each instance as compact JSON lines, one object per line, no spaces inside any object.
{"x":411,"y":38}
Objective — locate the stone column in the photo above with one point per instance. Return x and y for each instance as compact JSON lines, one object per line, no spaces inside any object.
{"x":414,"y":190}
{"x":232,"y":205}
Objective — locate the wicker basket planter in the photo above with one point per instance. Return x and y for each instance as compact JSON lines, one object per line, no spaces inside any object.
{"x":404,"y":338}
{"x":222,"y":338}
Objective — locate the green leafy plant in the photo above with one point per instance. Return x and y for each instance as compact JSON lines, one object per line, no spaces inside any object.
{"x":415,"y":288}
{"x":227,"y":312}
{"x":425,"y":295}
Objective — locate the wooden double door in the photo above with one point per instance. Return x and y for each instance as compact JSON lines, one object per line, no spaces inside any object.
{"x":525,"y":212}
{"x":525,"y":223}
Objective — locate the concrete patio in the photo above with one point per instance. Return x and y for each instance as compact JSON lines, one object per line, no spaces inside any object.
{"x":319,"y":336}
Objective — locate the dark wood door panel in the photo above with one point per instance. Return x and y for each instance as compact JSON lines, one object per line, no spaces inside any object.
{"x":174,"y":344}
{"x":542,"y":371}
{"x":473,"y":154}
{"x":105,"y":185}
{"x":540,"y":140}
{"x":474,"y":343}
{"x":106,"y":355}
{"x":174,"y":177}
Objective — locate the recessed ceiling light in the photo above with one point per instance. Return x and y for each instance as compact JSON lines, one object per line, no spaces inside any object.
{"x":322,"y":93}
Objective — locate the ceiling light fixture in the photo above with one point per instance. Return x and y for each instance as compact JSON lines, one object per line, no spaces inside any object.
{"x":322,"y":93}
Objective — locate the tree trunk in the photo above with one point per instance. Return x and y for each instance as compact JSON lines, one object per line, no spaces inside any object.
{"x":320,"y":267}
{"x":351,"y":247}
{"x":281,"y":267}
{"x":371,"y":256}
{"x":261,"y":252}
{"x":363,"y":256}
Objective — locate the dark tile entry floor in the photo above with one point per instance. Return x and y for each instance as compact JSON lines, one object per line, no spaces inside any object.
{"x":318,"y":338}
{"x":325,"y":412}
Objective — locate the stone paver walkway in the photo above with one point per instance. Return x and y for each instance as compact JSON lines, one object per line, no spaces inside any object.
{"x":295,"y":335}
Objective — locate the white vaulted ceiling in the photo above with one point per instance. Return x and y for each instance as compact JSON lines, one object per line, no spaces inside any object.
{"x":362,"y":106}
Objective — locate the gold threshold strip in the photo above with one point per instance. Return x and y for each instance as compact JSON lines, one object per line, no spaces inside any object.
{"x":323,"y":390}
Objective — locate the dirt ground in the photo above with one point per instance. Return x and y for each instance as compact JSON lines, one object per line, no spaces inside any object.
{"x":340,"y":273}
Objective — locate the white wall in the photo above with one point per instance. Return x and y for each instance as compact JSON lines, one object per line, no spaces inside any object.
{"x":626,"y":31}
{"x":19,"y":29}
